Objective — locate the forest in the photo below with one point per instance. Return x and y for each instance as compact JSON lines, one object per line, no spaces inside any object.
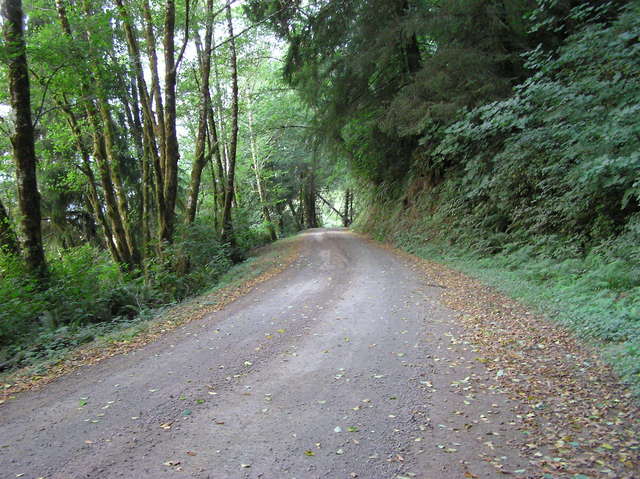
{"x":147,"y":146}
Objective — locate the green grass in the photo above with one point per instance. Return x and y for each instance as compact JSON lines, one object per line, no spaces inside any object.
{"x":598,"y":299}
{"x":594,"y":294}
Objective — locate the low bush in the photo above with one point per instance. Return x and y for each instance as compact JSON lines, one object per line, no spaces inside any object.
{"x":87,"y":295}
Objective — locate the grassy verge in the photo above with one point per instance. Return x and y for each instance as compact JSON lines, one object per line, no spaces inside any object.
{"x":590,"y":296}
{"x":597,"y":296}
{"x":119,"y":337}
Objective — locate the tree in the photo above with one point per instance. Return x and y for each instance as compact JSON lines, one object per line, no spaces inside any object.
{"x":200,"y":160}
{"x":23,"y":141}
{"x":227,"y":221}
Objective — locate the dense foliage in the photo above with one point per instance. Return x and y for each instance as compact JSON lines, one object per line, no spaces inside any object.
{"x":508,"y":130}
{"x":151,"y":179}
{"x":503,"y":129}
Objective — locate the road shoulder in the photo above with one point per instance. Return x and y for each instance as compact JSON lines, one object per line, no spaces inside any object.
{"x":580,"y":421}
{"x":266,"y":263}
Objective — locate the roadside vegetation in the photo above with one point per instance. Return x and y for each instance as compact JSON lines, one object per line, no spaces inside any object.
{"x":126,"y":186}
{"x":537,"y":194}
{"x":500,"y":136}
{"x":154,"y":144}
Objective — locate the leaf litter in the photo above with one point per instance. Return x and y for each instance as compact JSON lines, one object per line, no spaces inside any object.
{"x":582,"y":422}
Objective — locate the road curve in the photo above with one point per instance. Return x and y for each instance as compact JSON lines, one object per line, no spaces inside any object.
{"x":345,"y":365}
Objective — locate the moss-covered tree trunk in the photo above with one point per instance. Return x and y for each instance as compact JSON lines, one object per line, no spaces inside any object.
{"x":200,"y":159}
{"x":167,"y":224}
{"x":22,"y":140}
{"x":257,"y":171}
{"x":227,"y":223}
{"x":309,"y":199}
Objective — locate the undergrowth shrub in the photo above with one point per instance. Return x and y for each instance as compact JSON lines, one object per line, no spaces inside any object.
{"x":87,"y":295}
{"x":539,"y":194}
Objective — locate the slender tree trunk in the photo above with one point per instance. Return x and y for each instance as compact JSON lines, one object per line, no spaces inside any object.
{"x":100,"y":154}
{"x":151,"y":160}
{"x":108,"y":131}
{"x":112,"y":157}
{"x":158,"y":126}
{"x":214,"y":188}
{"x":110,"y":200}
{"x":94,"y":198}
{"x":346,"y":218}
{"x":309,"y":200}
{"x":146,"y":202}
{"x":200,"y":159}
{"x":171,"y":137}
{"x":216,"y":169}
{"x":23,"y":141}
{"x":227,"y":224}
{"x":295,"y":214}
{"x":262,"y":195}
{"x":8,"y":240}
{"x":220,"y":134}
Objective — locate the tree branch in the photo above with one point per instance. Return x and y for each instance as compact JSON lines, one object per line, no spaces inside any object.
{"x":330,"y":206}
{"x":186,"y":37}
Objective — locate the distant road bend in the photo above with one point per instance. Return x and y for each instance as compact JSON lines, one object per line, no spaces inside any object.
{"x":339,"y":367}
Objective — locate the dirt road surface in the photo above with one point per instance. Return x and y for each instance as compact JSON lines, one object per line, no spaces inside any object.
{"x":345,"y":365}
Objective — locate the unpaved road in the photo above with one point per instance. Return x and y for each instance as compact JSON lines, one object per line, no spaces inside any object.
{"x":345,"y":365}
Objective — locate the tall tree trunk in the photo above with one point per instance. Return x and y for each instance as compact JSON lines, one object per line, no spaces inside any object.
{"x":23,"y":141}
{"x":112,"y":156}
{"x":171,"y":136}
{"x":227,"y":224}
{"x":8,"y":240}
{"x":215,"y":152}
{"x":346,"y":217}
{"x":112,"y":207}
{"x":156,"y":98}
{"x":309,"y":199}
{"x":113,"y":160}
{"x":257,"y":170}
{"x":200,"y":158}
{"x":220,"y":134}
{"x":94,"y":198}
{"x":294,"y":213}
{"x":110,"y":200}
{"x":214,"y":188}
{"x":150,"y":159}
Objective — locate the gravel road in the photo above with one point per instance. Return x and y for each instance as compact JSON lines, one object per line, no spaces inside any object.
{"x":345,"y":365}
